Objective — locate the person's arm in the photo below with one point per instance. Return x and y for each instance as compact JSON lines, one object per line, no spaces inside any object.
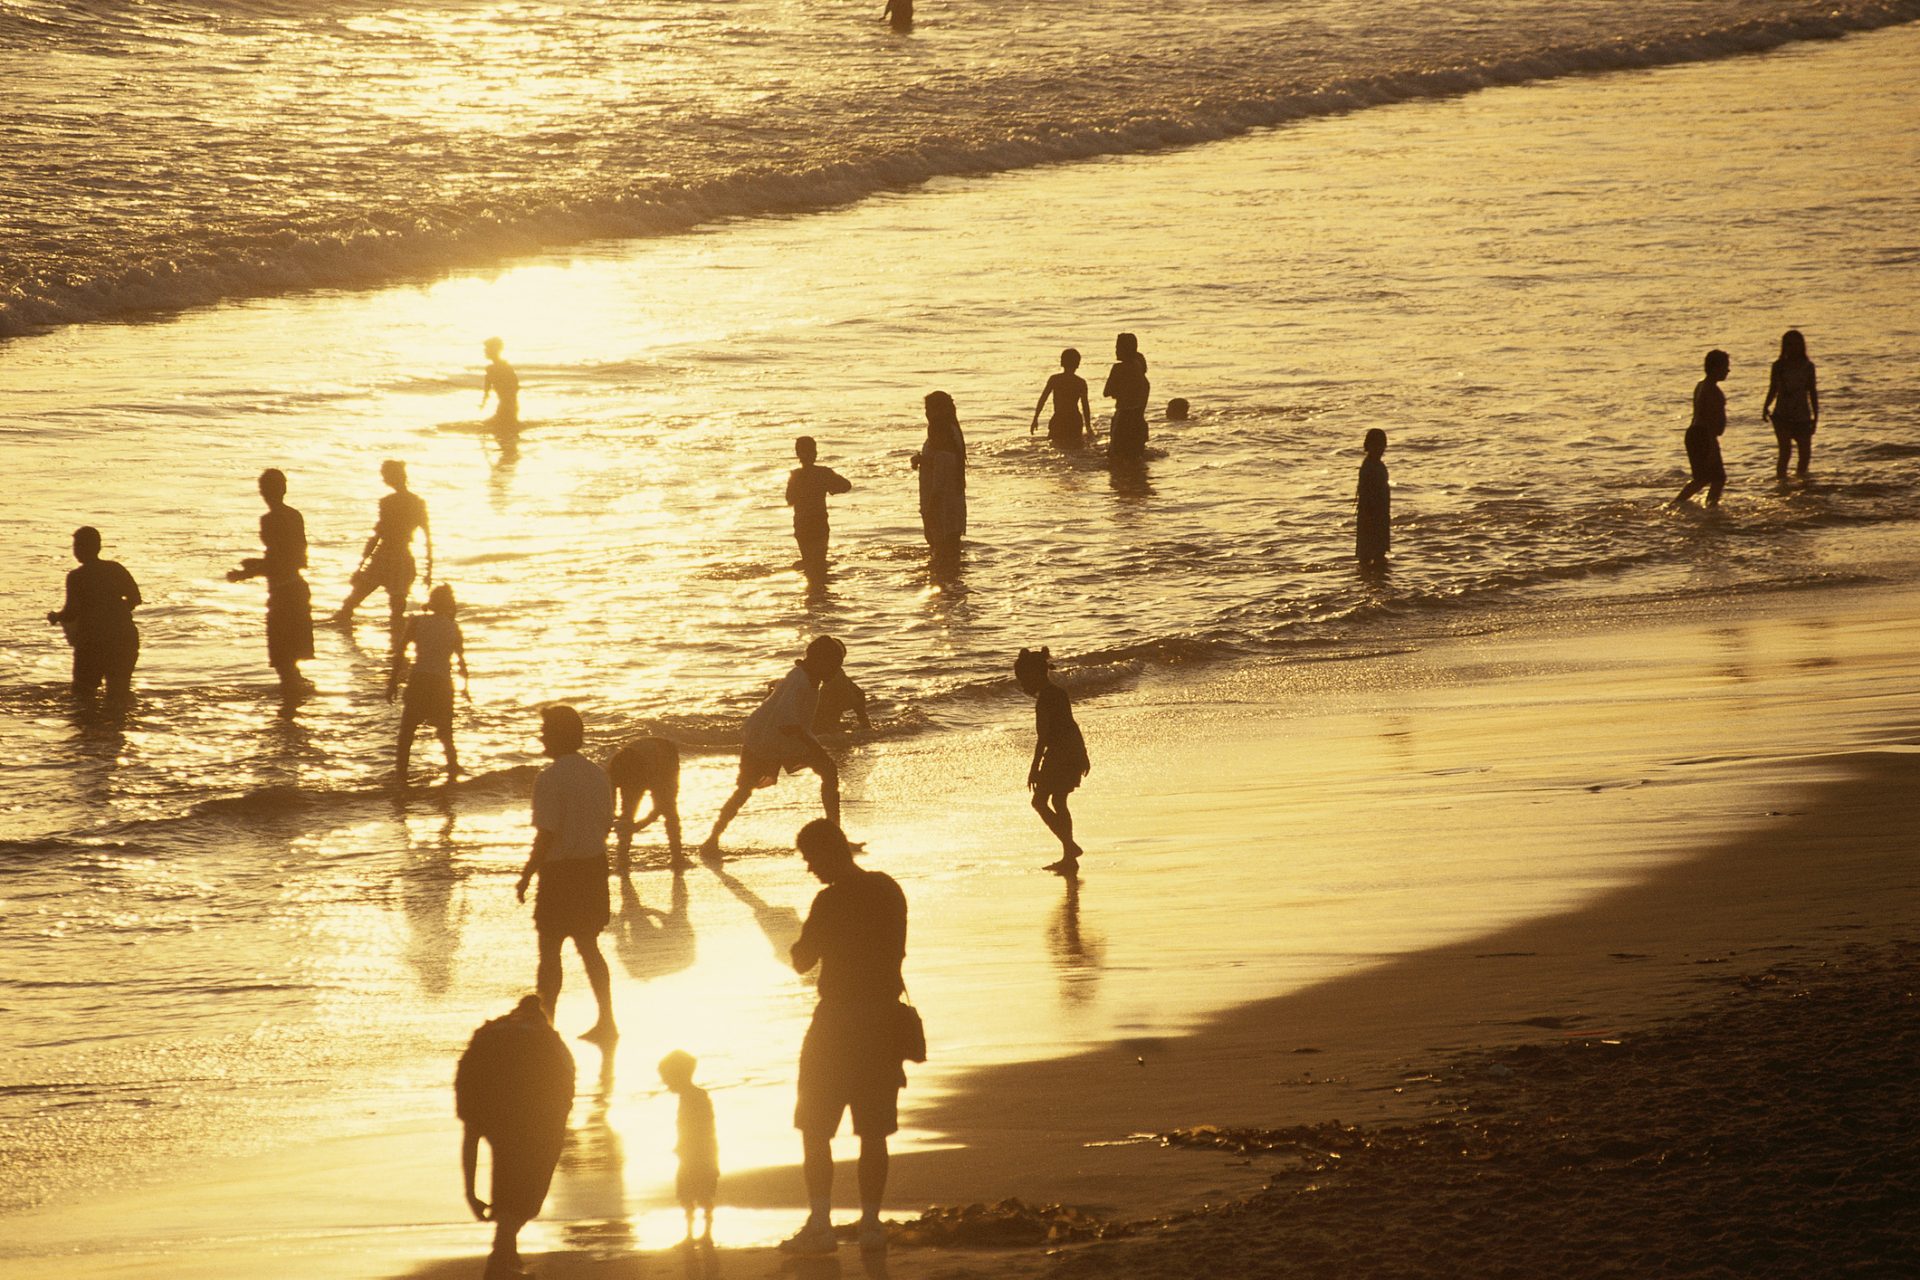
{"x":426,"y":530}
{"x":460,"y":655}
{"x":790,"y":481}
{"x":806,"y":948}
{"x":130,"y":590}
{"x":1813,"y":397}
{"x":1106,"y":391}
{"x":486,"y":387}
{"x":1040,"y":404}
{"x":860,"y":707}
{"x":837,"y":483}
{"x":56,"y":616}
{"x":542,"y":845}
{"x":469,"y":1163}
{"x":1773,"y":392}
{"x":397,"y":669}
{"x":1086,"y":412}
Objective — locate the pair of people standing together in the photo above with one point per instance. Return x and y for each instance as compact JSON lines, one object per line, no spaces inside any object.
{"x":1792,"y":406}
{"x":1127,"y":386}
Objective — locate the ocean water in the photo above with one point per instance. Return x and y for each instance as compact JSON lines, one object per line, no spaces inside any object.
{"x":274,"y":235}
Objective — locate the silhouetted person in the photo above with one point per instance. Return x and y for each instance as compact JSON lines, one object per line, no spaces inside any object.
{"x":899,"y":13}
{"x":942,"y":464}
{"x":1703,"y":433}
{"x":839,"y":695}
{"x":646,"y":767}
{"x":1793,"y":402}
{"x":1373,"y":503}
{"x":503,"y":384}
{"x":856,"y":931}
{"x":807,"y":490}
{"x":386,"y":562}
{"x":1059,"y":752}
{"x":572,"y":813}
{"x":1072,"y":422}
{"x":1128,"y":388}
{"x":437,"y":644}
{"x":698,"y":1179}
{"x":514,"y":1088}
{"x":283,"y":535}
{"x":1177,"y":409}
{"x":779,"y":735}
{"x":97,"y":618}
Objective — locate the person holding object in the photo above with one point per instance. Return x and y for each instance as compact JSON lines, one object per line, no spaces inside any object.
{"x":97,"y":618}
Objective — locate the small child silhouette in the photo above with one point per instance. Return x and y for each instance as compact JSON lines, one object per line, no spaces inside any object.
{"x":698,"y":1148}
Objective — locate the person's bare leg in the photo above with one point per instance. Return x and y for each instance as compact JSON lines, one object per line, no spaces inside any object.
{"x":1714,"y":491}
{"x":670,"y":813}
{"x":1786,"y":451}
{"x":1805,"y":447}
{"x":403,"y":751}
{"x":506,"y":1247}
{"x":345,"y":612}
{"x":602,"y":1031}
{"x":830,"y":789}
{"x":547,"y":979}
{"x":1063,"y":819}
{"x":453,"y":756}
{"x":873,"y":1178}
{"x":816,"y":1152}
{"x":711,"y":849}
{"x":1692,"y":487}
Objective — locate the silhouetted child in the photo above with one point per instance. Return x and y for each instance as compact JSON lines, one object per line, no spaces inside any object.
{"x":97,"y":618}
{"x":1703,"y":433}
{"x":839,"y":695}
{"x":699,"y":1150}
{"x":645,"y":767}
{"x":514,"y":1087}
{"x":1373,"y":503}
{"x":387,"y":560}
{"x":1059,"y":752}
{"x":807,"y":490}
{"x":437,"y":644}
{"x":283,"y":539}
{"x":1072,"y":421}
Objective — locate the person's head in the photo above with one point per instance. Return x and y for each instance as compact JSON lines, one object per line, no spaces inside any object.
{"x":825,"y":656}
{"x":1126,"y":345}
{"x":273,"y":484}
{"x":1375,"y":443}
{"x":492,"y":347}
{"x":1718,"y":363}
{"x":676,"y":1069}
{"x":1030,"y":668}
{"x":1793,"y":345}
{"x":825,"y":847}
{"x":86,"y":544}
{"x":1069,"y":359}
{"x":440,"y":600}
{"x":394,"y":472}
{"x":940,"y":410}
{"x":530,"y":1007}
{"x":1177,"y":409}
{"x":562,"y":732}
{"x":805,"y":449}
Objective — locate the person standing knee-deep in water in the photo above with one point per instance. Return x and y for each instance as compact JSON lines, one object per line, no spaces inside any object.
{"x":97,"y":618}
{"x":503,"y":384}
{"x":437,"y":643}
{"x":645,"y":767}
{"x":387,"y":559}
{"x":1059,"y":752}
{"x":899,"y":13}
{"x":779,"y":735}
{"x":283,"y":535}
{"x":1704,"y":432}
{"x":807,"y":488}
{"x":572,"y":814}
{"x":697,"y":1181}
{"x":1373,"y":503}
{"x":1072,"y":422}
{"x":1793,"y":402}
{"x":1129,"y":389}
{"x":514,"y":1088}
{"x":942,"y":464}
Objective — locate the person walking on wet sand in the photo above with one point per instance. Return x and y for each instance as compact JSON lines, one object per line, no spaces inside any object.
{"x":514,"y":1088}
{"x":1793,"y":403}
{"x":646,"y":767}
{"x":283,"y":535}
{"x":572,"y":813}
{"x":1059,"y":752}
{"x":942,"y":464}
{"x":97,"y":618}
{"x":779,"y":735}
{"x":1704,"y":432}
{"x":437,"y":644}
{"x":850,"y":1061}
{"x":1129,"y":389}
{"x":387,"y":559}
{"x":807,"y":490}
{"x":697,"y":1181}
{"x":1072,"y":422}
{"x":1373,"y":504}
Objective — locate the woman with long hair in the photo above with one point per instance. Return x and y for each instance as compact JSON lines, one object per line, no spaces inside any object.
{"x":1793,"y":402}
{"x":942,"y":464}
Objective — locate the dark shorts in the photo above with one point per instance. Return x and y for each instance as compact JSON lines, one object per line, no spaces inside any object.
{"x":850,"y":1061}
{"x":1792,"y":433}
{"x":1059,"y":779}
{"x":1703,"y":458}
{"x":522,"y":1172}
{"x":696,"y":1184}
{"x":112,"y":661}
{"x":392,"y":570}
{"x":764,"y":771}
{"x":430,"y":701}
{"x":1127,"y":436}
{"x":813,"y":544}
{"x":289,"y":621}
{"x":1066,"y":431}
{"x":571,"y":900}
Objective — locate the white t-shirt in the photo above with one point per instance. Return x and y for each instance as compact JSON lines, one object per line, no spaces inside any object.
{"x":436,"y":638}
{"x":792,"y":702}
{"x":573,"y":800}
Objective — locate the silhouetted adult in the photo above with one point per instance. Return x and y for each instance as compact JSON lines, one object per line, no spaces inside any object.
{"x":514,"y":1087}
{"x":942,"y":464}
{"x":572,"y":813}
{"x":856,"y":931}
{"x":899,"y":13}
{"x":97,"y":618}
{"x":1704,"y":431}
{"x":503,"y":384}
{"x":437,"y":643}
{"x":1793,"y":402}
{"x":1373,"y":503}
{"x":1072,"y":422}
{"x":387,"y":559}
{"x":1128,"y":388}
{"x":1059,"y":752}
{"x":807,"y":488}
{"x":283,"y":535}
{"x":646,"y":767}
{"x":779,"y":735}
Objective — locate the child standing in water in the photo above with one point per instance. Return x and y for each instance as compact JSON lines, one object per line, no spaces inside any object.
{"x":1793,"y":402}
{"x":1059,"y":753}
{"x":698,"y":1180}
{"x":1703,"y":433}
{"x":502,"y":383}
{"x":1373,"y":504}
{"x":807,"y":490}
{"x":1072,"y":419}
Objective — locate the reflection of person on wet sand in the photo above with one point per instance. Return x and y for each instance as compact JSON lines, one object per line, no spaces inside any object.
{"x":437,"y":644}
{"x":779,"y":735}
{"x":387,"y":560}
{"x":1072,"y":421}
{"x":1373,"y":503}
{"x":1075,"y":953}
{"x":1704,"y":432}
{"x":1059,"y":753}
{"x":942,"y":464}
{"x":513,"y":1088}
{"x":97,"y":618}
{"x":283,"y":535}
{"x":698,"y":1179}
{"x":653,"y":944}
{"x":807,"y":489}
{"x":646,"y":767}
{"x":779,"y":925}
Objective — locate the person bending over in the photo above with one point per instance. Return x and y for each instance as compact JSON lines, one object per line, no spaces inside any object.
{"x":646,"y":767}
{"x":779,"y":736}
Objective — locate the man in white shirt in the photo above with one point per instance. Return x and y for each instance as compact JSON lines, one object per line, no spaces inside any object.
{"x":572,"y":814}
{"x":779,"y":735}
